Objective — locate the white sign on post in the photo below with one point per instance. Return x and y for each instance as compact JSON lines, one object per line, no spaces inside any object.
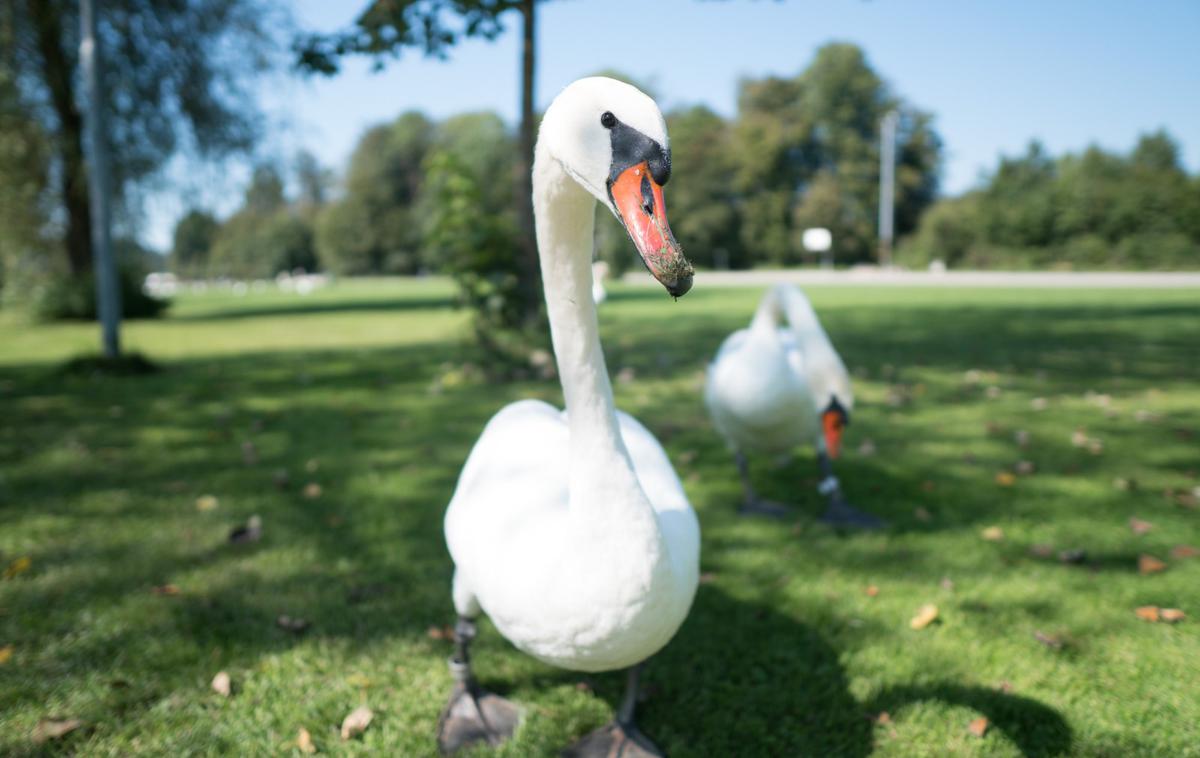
{"x":818,"y":240}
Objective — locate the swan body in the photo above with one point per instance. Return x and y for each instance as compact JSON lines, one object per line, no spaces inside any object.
{"x":770,"y":385}
{"x":570,"y":529}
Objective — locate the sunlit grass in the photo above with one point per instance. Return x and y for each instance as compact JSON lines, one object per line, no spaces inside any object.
{"x":359,"y":388}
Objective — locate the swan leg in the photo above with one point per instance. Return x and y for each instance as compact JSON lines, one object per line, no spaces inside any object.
{"x":472,"y":715}
{"x":753,"y":505}
{"x":621,"y":738}
{"x":838,"y":512}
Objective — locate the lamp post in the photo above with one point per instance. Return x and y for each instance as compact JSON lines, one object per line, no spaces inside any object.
{"x":887,"y":186}
{"x":108,"y":295}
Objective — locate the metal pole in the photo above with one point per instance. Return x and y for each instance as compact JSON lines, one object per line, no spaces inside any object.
{"x":887,"y":186}
{"x":108,"y":294}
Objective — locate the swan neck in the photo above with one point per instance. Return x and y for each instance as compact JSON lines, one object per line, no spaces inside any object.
{"x":565,"y":216}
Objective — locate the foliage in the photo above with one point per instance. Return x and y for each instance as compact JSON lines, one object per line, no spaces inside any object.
{"x":73,"y":297}
{"x":374,"y":228}
{"x":386,"y":27}
{"x":192,"y":243}
{"x":177,"y":78}
{"x":808,"y":155}
{"x":479,"y":250}
{"x":1095,"y":209}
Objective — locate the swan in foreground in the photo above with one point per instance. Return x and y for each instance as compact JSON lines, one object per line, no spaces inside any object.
{"x":570,"y":530}
{"x":780,"y":384}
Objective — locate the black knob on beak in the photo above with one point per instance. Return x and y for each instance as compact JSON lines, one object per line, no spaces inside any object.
{"x":680,"y":286}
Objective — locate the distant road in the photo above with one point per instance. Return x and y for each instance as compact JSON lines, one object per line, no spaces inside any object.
{"x":869,"y":276}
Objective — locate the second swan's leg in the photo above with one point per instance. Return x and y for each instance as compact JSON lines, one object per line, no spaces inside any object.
{"x":753,"y":505}
{"x":839,"y":512}
{"x":472,"y":715}
{"x":620,"y":738}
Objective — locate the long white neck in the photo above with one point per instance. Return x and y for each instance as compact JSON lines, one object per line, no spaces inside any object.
{"x":783,"y":303}
{"x":601,"y":475}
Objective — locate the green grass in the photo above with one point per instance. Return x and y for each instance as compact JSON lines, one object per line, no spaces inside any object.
{"x":784,"y":653}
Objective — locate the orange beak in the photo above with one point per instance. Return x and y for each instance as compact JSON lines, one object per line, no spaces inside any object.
{"x":639,"y":202}
{"x":832,"y":423}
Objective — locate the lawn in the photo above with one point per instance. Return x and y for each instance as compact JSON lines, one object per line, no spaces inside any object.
{"x":342,"y":420}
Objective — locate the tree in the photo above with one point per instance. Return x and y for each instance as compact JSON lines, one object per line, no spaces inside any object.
{"x":374,"y":228}
{"x":192,"y":242}
{"x":177,"y":75}
{"x":386,"y":27}
{"x":808,"y":149}
{"x":313,"y":182}
{"x":1094,"y":209}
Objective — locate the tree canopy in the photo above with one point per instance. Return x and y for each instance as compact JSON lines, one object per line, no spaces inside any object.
{"x":177,"y":74}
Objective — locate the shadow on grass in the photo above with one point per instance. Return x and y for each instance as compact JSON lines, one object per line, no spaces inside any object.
{"x":298,"y":307}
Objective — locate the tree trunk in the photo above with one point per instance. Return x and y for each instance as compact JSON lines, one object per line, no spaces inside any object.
{"x":57,"y":71}
{"x":530,"y":273}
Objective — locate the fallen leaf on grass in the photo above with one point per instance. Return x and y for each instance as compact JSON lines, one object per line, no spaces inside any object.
{"x":312,"y":465}
{"x":221,"y":684}
{"x":1041,"y":551}
{"x":207,"y":503}
{"x":925,"y":616}
{"x":883,"y":717}
{"x":979,"y":726}
{"x":708,"y":577}
{"x":1148,"y":564}
{"x":1095,"y":447}
{"x":312,"y":490}
{"x":1005,"y":686}
{"x":992,"y":534}
{"x":1137,"y":526}
{"x":1005,"y":478}
{"x":357,"y":722}
{"x":1171,"y":615}
{"x":1147,"y":612}
{"x":947,"y":584}
{"x":867,"y":448}
{"x":304,"y":742}
{"x":1049,"y":640}
{"x":18,"y":567}
{"x":1039,"y":403}
{"x":291,"y":623}
{"x":281,"y":478}
{"x":1124,"y":485}
{"x":1079,"y":438}
{"x":928,"y":486}
{"x":872,"y":591}
{"x":1181,"y":552}
{"x":440,"y":633}
{"x":5,"y":654}
{"x":1021,"y":437}
{"x":921,"y":514}
{"x":54,"y":728}
{"x":249,"y":453}
{"x":165,"y":590}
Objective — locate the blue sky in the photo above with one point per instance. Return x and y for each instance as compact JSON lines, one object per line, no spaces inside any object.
{"x":995,"y":74}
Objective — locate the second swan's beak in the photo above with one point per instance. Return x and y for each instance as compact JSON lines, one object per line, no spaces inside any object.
{"x":833,"y":421}
{"x":639,"y":203}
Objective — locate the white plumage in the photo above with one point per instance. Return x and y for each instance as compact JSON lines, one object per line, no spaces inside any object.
{"x":769,"y":384}
{"x":570,"y":529}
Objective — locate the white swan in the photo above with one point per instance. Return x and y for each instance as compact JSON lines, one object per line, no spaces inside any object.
{"x":570,"y":530}
{"x":780,"y":384}
{"x":599,"y":274}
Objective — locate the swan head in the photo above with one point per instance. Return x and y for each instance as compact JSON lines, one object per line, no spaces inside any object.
{"x":611,"y":138}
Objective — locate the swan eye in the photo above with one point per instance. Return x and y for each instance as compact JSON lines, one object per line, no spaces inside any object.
{"x":608,"y":120}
